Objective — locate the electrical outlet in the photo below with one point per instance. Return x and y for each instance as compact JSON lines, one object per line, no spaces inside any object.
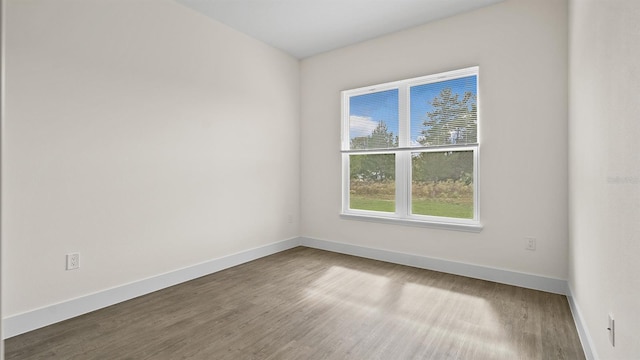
{"x":612,"y":330}
{"x":290,"y":219}
{"x":73,"y":261}
{"x":530,"y":243}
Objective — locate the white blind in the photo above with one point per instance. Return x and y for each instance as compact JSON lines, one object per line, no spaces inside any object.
{"x":373,"y":120}
{"x":430,"y":111}
{"x":444,"y":112}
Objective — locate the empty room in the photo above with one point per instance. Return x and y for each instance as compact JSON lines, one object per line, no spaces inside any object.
{"x":313,"y":179}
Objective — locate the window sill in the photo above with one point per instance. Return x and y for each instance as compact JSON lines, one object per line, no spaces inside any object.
{"x":419,"y":223}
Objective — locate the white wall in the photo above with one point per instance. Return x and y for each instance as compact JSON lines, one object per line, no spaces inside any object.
{"x":521,"y":48}
{"x":143,"y":135}
{"x":605,"y":170}
{"x":2,"y":107}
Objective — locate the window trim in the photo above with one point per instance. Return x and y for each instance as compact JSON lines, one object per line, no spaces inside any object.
{"x":403,"y":197}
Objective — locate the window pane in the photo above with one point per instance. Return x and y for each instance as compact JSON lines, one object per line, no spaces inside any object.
{"x":373,"y":120}
{"x":445,"y":112}
{"x":442,"y":184}
{"x":372,"y":182}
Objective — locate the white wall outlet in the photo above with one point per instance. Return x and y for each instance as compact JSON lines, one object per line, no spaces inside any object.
{"x":290,"y":219}
{"x":73,"y":261}
{"x":530,"y":243}
{"x":612,"y":330}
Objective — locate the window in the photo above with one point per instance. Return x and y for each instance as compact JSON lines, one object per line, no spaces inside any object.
{"x":410,"y":151}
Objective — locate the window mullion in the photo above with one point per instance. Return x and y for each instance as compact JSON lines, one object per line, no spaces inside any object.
{"x":403,"y":157}
{"x":344,"y":134}
{"x":476,"y":186}
{"x":346,"y":177}
{"x":403,"y":178}
{"x":404,"y":137}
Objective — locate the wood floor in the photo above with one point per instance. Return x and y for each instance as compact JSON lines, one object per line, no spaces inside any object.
{"x":311,"y":304}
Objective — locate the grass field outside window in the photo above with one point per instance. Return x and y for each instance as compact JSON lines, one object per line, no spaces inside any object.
{"x":440,"y":198}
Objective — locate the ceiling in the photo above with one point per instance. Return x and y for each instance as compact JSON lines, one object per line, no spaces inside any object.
{"x":304,"y":28}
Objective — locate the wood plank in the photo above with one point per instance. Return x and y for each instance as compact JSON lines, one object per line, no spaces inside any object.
{"x":312,"y":304}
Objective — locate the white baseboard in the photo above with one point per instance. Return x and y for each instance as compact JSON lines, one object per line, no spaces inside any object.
{"x":35,"y":319}
{"x":31,"y":320}
{"x":586,"y":340}
{"x":529,"y":281}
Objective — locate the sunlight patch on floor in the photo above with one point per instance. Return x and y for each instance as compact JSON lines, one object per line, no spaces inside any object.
{"x":349,"y":279}
{"x":474,"y":323}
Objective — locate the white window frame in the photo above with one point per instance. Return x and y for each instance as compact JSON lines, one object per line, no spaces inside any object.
{"x":403,"y":215}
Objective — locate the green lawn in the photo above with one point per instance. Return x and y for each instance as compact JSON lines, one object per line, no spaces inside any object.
{"x":419,"y":206}
{"x":435,"y":208}
{"x":364,"y":203}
